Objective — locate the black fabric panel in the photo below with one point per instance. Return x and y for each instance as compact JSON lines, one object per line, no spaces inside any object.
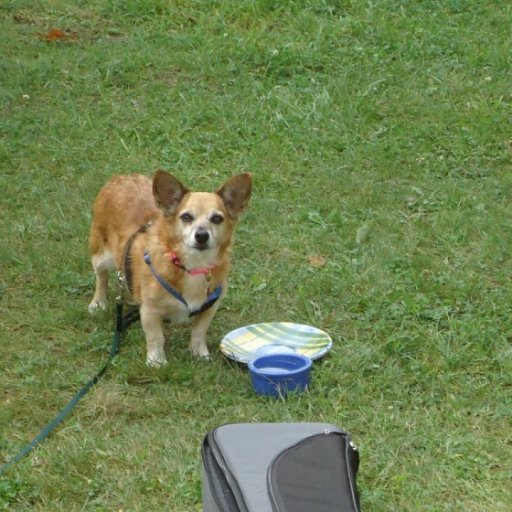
{"x":315,"y":475}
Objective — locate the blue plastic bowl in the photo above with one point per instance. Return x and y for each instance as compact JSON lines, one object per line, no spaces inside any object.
{"x":278,"y":374}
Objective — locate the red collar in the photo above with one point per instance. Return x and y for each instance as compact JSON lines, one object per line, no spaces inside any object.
{"x":194,"y":272}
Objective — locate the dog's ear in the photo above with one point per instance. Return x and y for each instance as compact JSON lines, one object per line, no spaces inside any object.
{"x":168,"y":191}
{"x":236,"y":193}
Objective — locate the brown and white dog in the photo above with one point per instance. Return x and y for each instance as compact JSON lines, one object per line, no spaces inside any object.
{"x":173,"y":246}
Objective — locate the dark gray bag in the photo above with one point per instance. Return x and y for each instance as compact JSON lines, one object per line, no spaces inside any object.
{"x":279,"y":467}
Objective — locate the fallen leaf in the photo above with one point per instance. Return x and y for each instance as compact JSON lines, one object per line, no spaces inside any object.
{"x":362,"y":233}
{"x":316,"y":260}
{"x":55,"y":34}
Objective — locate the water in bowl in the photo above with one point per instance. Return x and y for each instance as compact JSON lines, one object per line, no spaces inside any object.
{"x":272,"y":370}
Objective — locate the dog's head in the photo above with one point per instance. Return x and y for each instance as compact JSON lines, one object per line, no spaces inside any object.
{"x":201,"y":222}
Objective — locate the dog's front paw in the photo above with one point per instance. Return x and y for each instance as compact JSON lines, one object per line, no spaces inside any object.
{"x":156,"y":360}
{"x":96,"y":305}
{"x":200,"y":351}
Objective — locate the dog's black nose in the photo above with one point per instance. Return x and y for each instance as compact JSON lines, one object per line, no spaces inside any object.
{"x":202,"y":236}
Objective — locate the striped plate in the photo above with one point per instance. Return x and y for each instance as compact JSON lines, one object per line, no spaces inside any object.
{"x":246,"y":343}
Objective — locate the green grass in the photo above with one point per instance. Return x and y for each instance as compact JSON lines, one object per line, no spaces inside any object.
{"x":379,"y":137}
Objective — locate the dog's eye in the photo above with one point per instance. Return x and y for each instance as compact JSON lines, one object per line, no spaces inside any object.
{"x":217,"y":219}
{"x":186,"y":217}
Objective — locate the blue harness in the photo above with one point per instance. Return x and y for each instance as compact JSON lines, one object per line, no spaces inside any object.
{"x":211,"y":299}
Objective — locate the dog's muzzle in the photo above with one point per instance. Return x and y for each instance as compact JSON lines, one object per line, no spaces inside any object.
{"x":202,"y":239}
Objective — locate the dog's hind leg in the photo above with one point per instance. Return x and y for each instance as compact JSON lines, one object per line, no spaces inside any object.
{"x":101,"y":264}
